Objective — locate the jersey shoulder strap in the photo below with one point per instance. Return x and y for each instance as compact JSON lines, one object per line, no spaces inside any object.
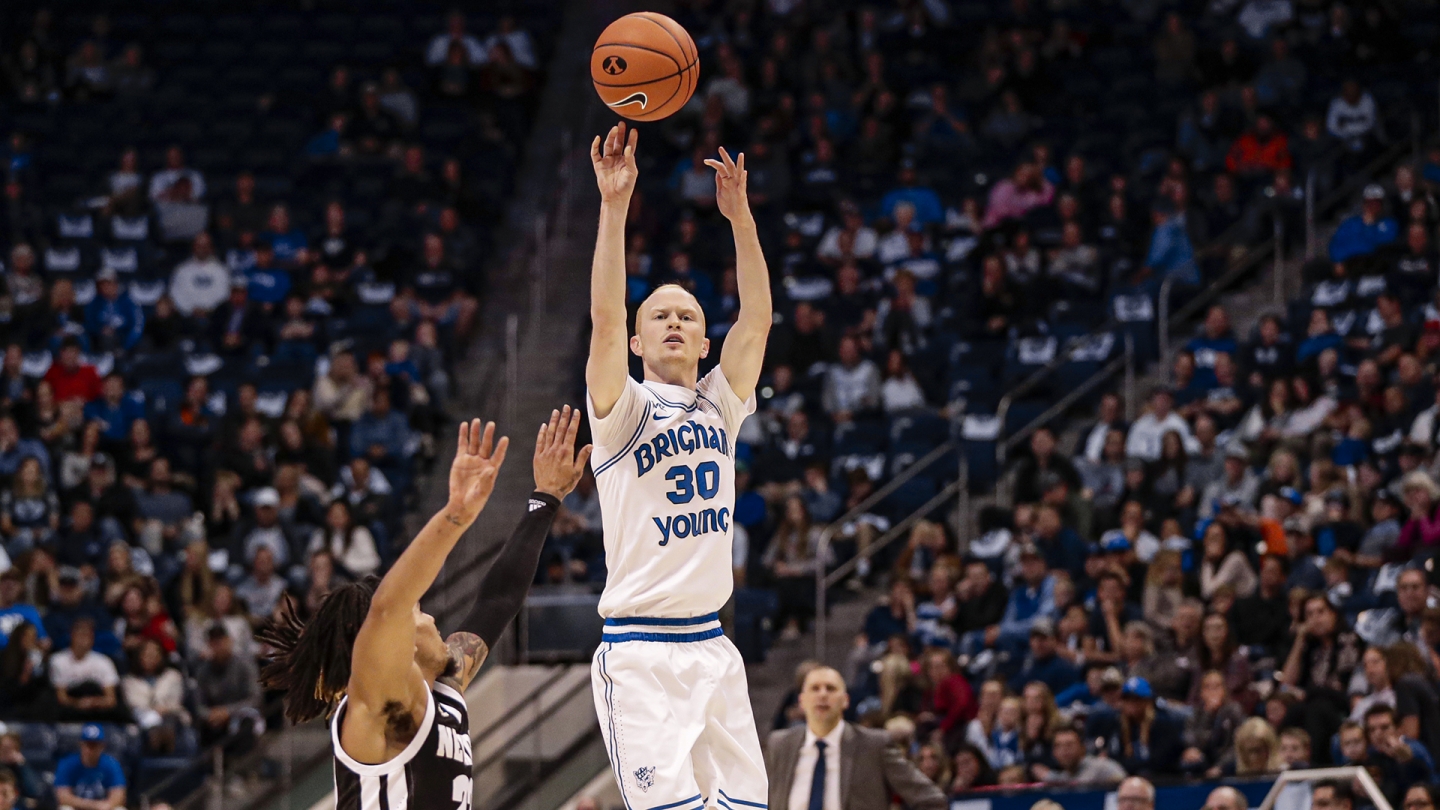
{"x":395,"y":763}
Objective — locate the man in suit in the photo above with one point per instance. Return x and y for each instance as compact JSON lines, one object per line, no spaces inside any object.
{"x":829,"y":764}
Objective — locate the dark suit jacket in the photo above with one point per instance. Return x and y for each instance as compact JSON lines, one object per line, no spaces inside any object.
{"x":871,"y":768}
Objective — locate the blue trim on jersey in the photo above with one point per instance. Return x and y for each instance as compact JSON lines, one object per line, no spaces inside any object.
{"x":663,"y":401}
{"x":671,"y":638}
{"x":723,"y":804}
{"x":610,"y":715}
{"x":624,"y":451}
{"x":644,"y":622}
{"x":742,"y":801}
{"x":677,"y":804}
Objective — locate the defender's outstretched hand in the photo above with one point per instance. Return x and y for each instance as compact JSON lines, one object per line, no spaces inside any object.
{"x":472,"y":476}
{"x":557,"y":466}
{"x":730,"y":181}
{"x":614,"y":162}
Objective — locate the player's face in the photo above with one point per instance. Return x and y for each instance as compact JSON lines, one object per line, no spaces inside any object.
{"x":670,"y":330}
{"x":430,"y":650}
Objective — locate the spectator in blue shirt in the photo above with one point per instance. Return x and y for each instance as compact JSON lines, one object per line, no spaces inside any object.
{"x":1367,"y":231}
{"x":928,"y":210}
{"x":14,"y":450}
{"x":1059,"y":544}
{"x":1043,"y":664}
{"x":382,"y":436}
{"x":13,"y":612}
{"x":268,"y":284}
{"x":895,"y":617}
{"x":70,"y":605}
{"x":1033,"y":597}
{"x":112,"y":321}
{"x":1171,"y":255}
{"x":90,"y":779}
{"x":115,"y":410}
{"x":286,"y":240}
{"x":1215,"y":338}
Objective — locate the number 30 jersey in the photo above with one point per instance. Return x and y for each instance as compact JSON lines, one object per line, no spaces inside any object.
{"x":665,"y":471}
{"x":434,"y":772}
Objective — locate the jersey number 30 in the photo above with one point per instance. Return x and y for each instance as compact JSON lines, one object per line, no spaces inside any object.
{"x":705,"y":478}
{"x":460,"y":791}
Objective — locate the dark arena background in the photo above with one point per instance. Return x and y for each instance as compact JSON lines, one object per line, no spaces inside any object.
{"x":1095,"y":447}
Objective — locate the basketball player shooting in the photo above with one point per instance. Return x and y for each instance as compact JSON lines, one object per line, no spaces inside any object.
{"x":369,"y":656}
{"x":669,"y":688}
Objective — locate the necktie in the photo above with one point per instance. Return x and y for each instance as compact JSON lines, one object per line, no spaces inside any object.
{"x":817,"y":784}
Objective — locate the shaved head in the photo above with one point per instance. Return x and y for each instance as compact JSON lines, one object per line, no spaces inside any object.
{"x":666,"y":290}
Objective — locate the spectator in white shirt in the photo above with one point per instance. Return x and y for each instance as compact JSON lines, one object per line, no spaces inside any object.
{"x":1352,"y":116}
{"x":900,"y":391}
{"x":177,"y":183}
{"x":1148,"y":431}
{"x":352,"y":546}
{"x":200,"y":283}
{"x":851,"y":385}
{"x":863,"y":238}
{"x":455,"y":32}
{"x":85,"y":681}
{"x":522,"y":48}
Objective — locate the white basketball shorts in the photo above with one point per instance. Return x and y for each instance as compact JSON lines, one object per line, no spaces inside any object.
{"x":674,"y":709}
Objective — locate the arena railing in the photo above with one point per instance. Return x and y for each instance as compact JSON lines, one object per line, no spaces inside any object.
{"x":827,"y":578}
{"x":1166,"y":321}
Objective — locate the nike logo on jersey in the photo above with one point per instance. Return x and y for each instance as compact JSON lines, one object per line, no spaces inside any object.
{"x":657,"y":417}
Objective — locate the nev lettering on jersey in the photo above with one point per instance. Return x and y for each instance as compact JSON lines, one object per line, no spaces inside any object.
{"x":453,"y":745}
{"x":687,"y":438}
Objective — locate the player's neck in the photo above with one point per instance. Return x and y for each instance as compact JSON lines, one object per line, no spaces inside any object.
{"x":682,"y":377}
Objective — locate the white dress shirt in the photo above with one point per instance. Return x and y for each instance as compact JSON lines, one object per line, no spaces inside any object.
{"x":805,"y":770}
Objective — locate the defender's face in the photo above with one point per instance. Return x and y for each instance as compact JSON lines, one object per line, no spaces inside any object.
{"x":670,"y":330}
{"x":430,"y":650}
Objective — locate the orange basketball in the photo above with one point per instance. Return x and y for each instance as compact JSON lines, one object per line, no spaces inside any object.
{"x":645,"y":66}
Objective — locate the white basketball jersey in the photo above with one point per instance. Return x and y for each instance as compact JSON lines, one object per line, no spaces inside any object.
{"x":665,"y":469}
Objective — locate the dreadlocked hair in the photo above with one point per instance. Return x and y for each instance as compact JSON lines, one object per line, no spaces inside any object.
{"x":310,"y":661}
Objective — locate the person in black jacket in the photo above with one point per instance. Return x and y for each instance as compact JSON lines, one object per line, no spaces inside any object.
{"x":980,"y":599}
{"x":1146,"y":739}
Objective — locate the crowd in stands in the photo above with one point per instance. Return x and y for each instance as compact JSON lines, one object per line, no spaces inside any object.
{"x":1233,"y":583}
{"x":220,"y":379}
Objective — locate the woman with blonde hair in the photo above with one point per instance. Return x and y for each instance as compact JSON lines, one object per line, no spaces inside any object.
{"x":1162,"y":593}
{"x":977,"y":733}
{"x":1257,"y":749}
{"x":1040,"y":719}
{"x":195,"y":583}
{"x":932,"y":761}
{"x":29,"y":510}
{"x":1422,"y":530}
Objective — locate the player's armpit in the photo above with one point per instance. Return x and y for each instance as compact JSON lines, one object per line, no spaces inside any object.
{"x":467,"y":653}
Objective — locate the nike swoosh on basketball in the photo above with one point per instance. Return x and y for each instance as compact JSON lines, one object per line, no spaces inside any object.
{"x":633,"y":98}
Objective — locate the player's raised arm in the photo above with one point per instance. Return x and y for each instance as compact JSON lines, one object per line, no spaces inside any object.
{"x":744,"y":350}
{"x":615,"y":173}
{"x":557,"y":469}
{"x":383,"y":673}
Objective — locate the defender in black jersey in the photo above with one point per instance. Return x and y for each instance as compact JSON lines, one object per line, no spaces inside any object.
{"x":400,"y":729}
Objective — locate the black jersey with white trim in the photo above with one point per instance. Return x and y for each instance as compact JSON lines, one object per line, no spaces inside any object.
{"x":434,"y":772}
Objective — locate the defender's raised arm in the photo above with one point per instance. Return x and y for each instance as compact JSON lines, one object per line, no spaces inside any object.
{"x":615,"y":173}
{"x":744,"y":351}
